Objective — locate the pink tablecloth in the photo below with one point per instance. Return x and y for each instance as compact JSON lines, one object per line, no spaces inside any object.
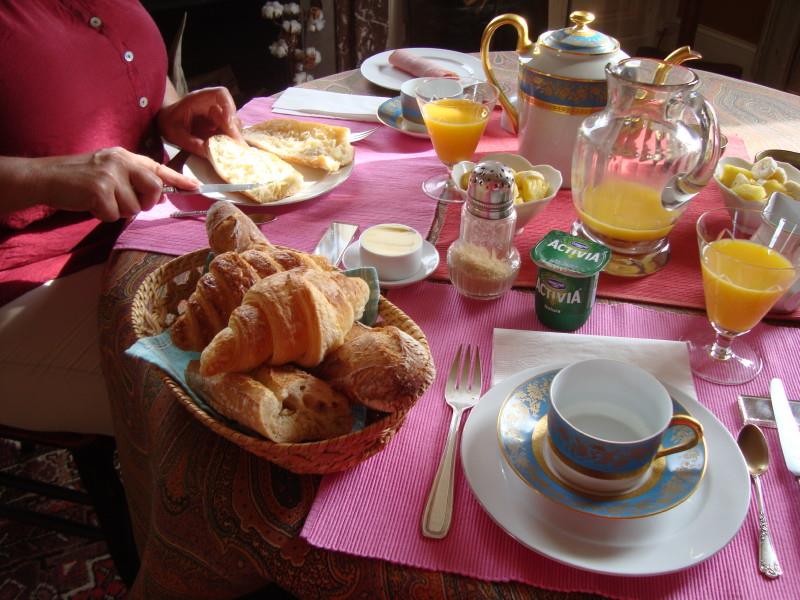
{"x":383,"y":187}
{"x":374,"y":509}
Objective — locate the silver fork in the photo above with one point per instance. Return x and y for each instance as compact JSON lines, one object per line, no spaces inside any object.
{"x":461,"y":392}
{"x":360,"y":135}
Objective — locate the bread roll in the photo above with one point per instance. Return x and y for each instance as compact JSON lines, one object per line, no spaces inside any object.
{"x":283,"y":404}
{"x":325,"y":147}
{"x":229,"y":229}
{"x":239,"y":163}
{"x":383,"y":368}
{"x":295,"y":316}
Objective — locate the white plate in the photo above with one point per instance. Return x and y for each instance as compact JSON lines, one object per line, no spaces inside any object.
{"x":315,"y":182}
{"x":391,"y":115}
{"x":351,"y":259}
{"x":663,"y":543}
{"x":377,"y":69}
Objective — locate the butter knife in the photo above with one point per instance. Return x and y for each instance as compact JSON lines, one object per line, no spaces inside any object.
{"x":212,"y":188}
{"x":788,"y":432}
{"x":335,"y":240}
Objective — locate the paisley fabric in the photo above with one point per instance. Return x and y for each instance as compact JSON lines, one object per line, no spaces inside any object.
{"x":213,"y":521}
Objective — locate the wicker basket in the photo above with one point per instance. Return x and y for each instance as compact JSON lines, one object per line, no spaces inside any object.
{"x":155,"y":307}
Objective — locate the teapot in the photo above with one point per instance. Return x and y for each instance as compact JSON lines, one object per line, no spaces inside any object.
{"x":562,"y":80}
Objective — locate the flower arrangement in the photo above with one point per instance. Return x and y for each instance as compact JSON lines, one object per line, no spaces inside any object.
{"x":294,"y":23}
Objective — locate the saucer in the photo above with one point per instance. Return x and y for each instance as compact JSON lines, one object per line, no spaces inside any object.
{"x":351,"y":259}
{"x":662,"y":543}
{"x":391,"y":115}
{"x":522,"y":434}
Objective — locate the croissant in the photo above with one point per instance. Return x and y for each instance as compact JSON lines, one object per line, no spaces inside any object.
{"x":294,"y":316}
{"x":383,"y":368}
{"x":284,"y":404}
{"x":229,"y":229}
{"x":222,"y":289}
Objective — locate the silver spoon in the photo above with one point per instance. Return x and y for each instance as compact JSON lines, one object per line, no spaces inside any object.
{"x":255,"y":217}
{"x":756,"y":454}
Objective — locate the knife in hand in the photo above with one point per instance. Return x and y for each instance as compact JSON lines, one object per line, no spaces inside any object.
{"x":787,"y":427}
{"x":212,"y":188}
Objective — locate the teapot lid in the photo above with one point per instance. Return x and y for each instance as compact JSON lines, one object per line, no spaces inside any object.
{"x":579,"y":38}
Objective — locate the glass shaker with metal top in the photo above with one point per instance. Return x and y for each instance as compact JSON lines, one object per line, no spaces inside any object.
{"x":483,"y":262}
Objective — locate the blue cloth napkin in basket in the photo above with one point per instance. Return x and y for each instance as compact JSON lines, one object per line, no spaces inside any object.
{"x":161,"y":352}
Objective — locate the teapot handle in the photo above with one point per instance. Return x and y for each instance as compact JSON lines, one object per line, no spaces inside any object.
{"x":523,"y":45}
{"x":683,"y":187}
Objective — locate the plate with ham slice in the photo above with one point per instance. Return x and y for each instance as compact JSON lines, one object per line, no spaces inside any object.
{"x":391,"y":68}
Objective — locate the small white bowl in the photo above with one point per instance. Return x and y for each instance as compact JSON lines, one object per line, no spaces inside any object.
{"x":526,"y":211}
{"x":731,"y":200}
{"x":395,"y":250}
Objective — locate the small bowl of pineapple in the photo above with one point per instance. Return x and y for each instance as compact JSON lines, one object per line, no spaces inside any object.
{"x":749,"y":185}
{"x":535,"y":185}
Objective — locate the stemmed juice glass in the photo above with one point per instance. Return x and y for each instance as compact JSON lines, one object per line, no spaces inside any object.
{"x":455,"y":112}
{"x":744,"y":275}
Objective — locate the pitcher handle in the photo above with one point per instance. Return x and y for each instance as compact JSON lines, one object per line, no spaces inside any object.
{"x":697,"y":435}
{"x":683,"y":187}
{"x":523,"y":45}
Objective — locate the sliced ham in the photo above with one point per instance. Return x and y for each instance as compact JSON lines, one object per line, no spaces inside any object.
{"x":407,"y":61}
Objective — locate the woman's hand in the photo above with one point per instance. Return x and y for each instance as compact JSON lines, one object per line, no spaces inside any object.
{"x":191,"y":120}
{"x":112,"y":183}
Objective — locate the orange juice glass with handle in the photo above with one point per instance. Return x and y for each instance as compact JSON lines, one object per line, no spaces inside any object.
{"x":639,"y":161}
{"x":455,"y":112}
{"x":743,"y":277}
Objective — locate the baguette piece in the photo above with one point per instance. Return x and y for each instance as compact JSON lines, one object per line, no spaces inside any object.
{"x":295,"y":316}
{"x":325,"y":147}
{"x":284,"y":404}
{"x":239,"y":163}
{"x":383,"y":368}
{"x":229,"y":229}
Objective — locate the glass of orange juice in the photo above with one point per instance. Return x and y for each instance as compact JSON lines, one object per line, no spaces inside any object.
{"x":744,"y":275}
{"x":455,"y":112}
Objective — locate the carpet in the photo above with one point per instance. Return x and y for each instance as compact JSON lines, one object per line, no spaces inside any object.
{"x":43,"y":564}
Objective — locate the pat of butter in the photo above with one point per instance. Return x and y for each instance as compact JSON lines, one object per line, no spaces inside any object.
{"x":391,"y":240}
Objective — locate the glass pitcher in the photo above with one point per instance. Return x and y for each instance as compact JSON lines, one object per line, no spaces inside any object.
{"x":639,"y":161}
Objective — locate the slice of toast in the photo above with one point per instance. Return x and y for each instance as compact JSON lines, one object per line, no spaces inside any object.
{"x":325,"y":147}
{"x":239,"y":163}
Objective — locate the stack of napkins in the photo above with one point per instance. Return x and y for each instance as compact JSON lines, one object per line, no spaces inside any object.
{"x":332,"y":105}
{"x":515,"y":350}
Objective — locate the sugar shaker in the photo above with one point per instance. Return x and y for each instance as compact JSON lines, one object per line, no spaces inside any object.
{"x":483,"y":262}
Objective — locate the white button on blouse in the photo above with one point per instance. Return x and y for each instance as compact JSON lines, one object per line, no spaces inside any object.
{"x":143,"y":102}
{"x":96,"y":22}
{"x":128,"y":56}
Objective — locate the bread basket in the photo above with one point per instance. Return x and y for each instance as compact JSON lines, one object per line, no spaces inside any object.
{"x":155,"y":307}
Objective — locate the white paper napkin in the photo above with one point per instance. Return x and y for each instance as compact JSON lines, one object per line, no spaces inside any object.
{"x":304,"y":101}
{"x":514,"y":350}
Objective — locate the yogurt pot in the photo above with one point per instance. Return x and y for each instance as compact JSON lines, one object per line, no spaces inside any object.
{"x":568,"y":270}
{"x":394,"y":250}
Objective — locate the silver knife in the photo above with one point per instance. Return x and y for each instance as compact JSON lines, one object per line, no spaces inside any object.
{"x":212,"y":188}
{"x":787,"y":427}
{"x":335,"y":240}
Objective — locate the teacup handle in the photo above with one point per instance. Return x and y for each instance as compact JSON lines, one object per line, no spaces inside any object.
{"x":523,"y":46}
{"x":692,"y":424}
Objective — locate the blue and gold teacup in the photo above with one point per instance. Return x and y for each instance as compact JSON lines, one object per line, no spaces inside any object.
{"x":606,"y":423}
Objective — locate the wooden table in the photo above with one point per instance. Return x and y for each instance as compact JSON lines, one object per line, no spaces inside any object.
{"x":213,"y":521}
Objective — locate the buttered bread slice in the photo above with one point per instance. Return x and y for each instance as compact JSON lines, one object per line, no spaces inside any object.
{"x":306,"y":143}
{"x":239,"y":163}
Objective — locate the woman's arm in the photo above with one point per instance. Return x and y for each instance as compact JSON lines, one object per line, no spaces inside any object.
{"x":188,"y":121}
{"x":110,"y":183}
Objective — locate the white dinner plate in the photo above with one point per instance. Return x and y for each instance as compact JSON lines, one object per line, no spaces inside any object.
{"x":377,"y":69}
{"x":670,"y":541}
{"x":315,"y":182}
{"x":351,"y":259}
{"x":391,"y":115}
